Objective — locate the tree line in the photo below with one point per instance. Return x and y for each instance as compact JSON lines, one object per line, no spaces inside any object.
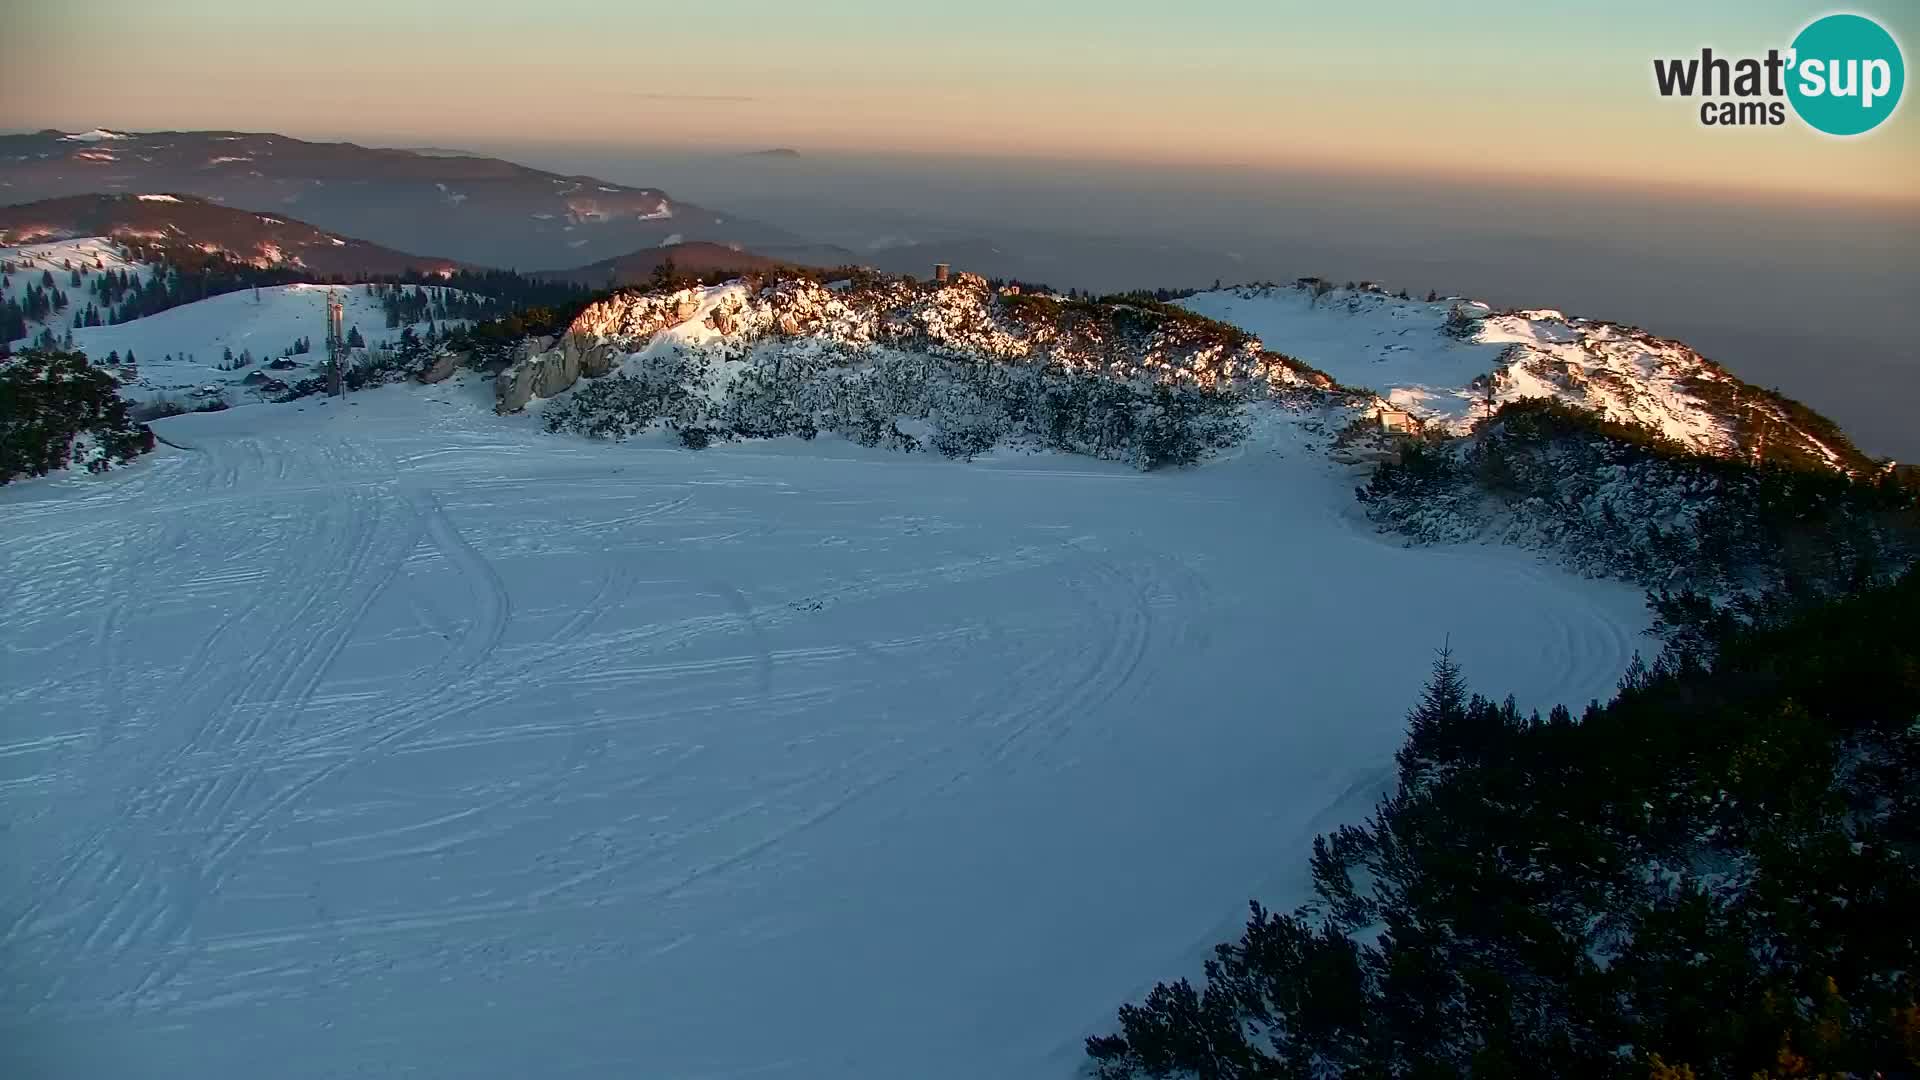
{"x":1712,"y":875}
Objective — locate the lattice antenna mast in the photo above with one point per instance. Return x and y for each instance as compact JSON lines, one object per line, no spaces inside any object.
{"x":336,"y":346}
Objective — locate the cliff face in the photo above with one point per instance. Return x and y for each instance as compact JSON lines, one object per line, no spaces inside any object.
{"x":545,"y":368}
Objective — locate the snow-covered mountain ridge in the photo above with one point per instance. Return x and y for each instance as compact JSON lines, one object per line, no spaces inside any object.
{"x":1451,"y":363}
{"x":960,"y":318}
{"x":956,"y":365}
{"x":184,"y":230}
{"x":479,"y":210}
{"x":1447,"y":364}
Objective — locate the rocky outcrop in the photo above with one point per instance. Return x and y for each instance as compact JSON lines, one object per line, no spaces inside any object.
{"x":545,"y":373}
{"x":555,"y":371}
{"x":541,"y":375}
{"x":441,"y":367}
{"x":597,"y":361}
{"x":635,"y":317}
{"x":962,"y":317}
{"x":513,"y":388}
{"x":594,"y":358}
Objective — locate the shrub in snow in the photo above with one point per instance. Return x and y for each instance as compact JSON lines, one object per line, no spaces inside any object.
{"x":762,"y":406}
{"x":1182,"y":425}
{"x":775,"y":388}
{"x":616,"y":407}
{"x":1615,"y":500}
{"x":377,"y":367}
{"x":966,"y":436}
{"x":1463,"y":322}
{"x":57,"y":409}
{"x":646,"y":390}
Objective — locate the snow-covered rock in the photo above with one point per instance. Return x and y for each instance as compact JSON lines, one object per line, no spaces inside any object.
{"x":1454,"y":362}
{"x":441,"y":367}
{"x":959,"y":318}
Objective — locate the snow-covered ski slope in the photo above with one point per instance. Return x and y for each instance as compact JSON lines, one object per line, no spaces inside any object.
{"x":397,"y":739}
{"x":87,"y":254}
{"x":180,"y":350}
{"x":264,"y":322}
{"x":90,"y":255}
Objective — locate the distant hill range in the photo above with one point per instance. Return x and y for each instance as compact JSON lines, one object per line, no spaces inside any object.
{"x":478,"y":210}
{"x":184,"y":229}
{"x":639,"y":267}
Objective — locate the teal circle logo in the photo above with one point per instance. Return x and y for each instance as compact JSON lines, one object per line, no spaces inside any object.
{"x":1846,"y":74}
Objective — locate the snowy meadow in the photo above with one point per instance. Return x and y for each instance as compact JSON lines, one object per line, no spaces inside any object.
{"x":396,"y":736}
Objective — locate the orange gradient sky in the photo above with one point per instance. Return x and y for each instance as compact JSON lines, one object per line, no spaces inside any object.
{"x":1536,"y":89}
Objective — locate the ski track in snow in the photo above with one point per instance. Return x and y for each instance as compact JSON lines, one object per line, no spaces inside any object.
{"x":398,"y":738}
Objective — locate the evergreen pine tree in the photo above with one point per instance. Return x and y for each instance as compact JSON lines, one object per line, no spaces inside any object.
{"x":1442,"y":710}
